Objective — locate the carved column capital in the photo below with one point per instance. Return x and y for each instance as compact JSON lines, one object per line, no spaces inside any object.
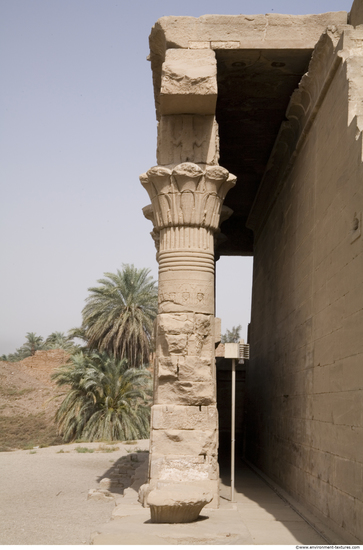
{"x":186,"y":195}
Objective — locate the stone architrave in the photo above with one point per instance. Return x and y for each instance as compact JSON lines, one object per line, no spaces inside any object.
{"x":188,"y":82}
{"x":187,"y":190}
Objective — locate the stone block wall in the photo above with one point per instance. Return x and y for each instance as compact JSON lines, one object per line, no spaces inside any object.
{"x":305,"y":379}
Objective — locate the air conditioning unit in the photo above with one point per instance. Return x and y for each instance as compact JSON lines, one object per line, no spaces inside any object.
{"x":238,"y":350}
{"x":244,"y":351}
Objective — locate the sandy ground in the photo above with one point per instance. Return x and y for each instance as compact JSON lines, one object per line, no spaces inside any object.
{"x":43,"y":500}
{"x":43,"y":495}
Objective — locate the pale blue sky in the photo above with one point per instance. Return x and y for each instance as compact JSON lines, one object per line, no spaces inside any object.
{"x":77,"y":129}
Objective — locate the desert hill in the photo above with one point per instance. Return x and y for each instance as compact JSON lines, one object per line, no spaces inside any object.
{"x":27,"y":406}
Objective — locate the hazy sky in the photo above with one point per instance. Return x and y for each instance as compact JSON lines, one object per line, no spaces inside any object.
{"x":77,"y":129}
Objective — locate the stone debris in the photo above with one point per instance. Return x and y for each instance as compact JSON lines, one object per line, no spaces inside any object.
{"x":124,"y":478}
{"x":177,"y":503}
{"x":112,"y":483}
{"x":100,"y":494}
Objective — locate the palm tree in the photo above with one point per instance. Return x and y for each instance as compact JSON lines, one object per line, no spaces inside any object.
{"x":32,"y":344}
{"x":78,"y":332}
{"x":119,"y":314}
{"x":104,"y":400}
{"x":232,"y":335}
{"x":58,"y":340}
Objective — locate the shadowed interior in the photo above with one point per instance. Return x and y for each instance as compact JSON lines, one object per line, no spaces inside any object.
{"x":254,"y":89}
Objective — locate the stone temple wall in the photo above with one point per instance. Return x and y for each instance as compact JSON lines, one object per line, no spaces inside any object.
{"x":304,"y":382}
{"x":305,"y":379}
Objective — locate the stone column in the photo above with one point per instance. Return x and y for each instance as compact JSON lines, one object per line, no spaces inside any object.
{"x":187,"y":190}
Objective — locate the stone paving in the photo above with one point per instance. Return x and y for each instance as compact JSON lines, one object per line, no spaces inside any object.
{"x":56,"y":495}
{"x":259,"y":516}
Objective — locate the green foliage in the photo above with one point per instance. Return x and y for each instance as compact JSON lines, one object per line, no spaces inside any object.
{"x":104,"y":400}
{"x":232,"y":335}
{"x":14,"y":392}
{"x":118,"y":319}
{"x":58,"y":340}
{"x":78,"y":332}
{"x":84,"y":450}
{"x":33,"y":343}
{"x":18,"y":355}
{"x":119,"y":314}
{"x":105,"y":449}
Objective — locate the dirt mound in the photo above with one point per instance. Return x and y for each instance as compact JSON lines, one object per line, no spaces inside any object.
{"x":28,"y":401}
{"x":43,"y":363}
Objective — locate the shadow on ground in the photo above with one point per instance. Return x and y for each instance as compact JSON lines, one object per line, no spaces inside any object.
{"x":122,"y":474}
{"x":257,"y":503}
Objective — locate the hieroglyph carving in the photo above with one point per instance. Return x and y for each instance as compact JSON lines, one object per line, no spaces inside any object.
{"x":188,"y":138}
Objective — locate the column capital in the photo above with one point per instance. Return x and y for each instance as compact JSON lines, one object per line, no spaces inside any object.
{"x":188,"y":195}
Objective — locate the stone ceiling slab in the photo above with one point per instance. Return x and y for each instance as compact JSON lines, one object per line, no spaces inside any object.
{"x":260,"y":62}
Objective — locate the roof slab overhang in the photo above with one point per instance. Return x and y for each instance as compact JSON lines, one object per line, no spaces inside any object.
{"x":260,"y":62}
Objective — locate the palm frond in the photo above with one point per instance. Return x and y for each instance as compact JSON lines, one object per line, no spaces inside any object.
{"x":119,"y":314}
{"x":105,"y":399}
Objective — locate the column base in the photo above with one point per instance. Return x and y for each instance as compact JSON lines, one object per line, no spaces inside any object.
{"x":204,"y":493}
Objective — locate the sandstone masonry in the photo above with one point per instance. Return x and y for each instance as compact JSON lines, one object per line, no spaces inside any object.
{"x":277,"y":100}
{"x":187,"y":190}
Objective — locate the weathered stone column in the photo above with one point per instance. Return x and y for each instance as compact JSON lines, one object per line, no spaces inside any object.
{"x":187,"y":190}
{"x":186,"y":207}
